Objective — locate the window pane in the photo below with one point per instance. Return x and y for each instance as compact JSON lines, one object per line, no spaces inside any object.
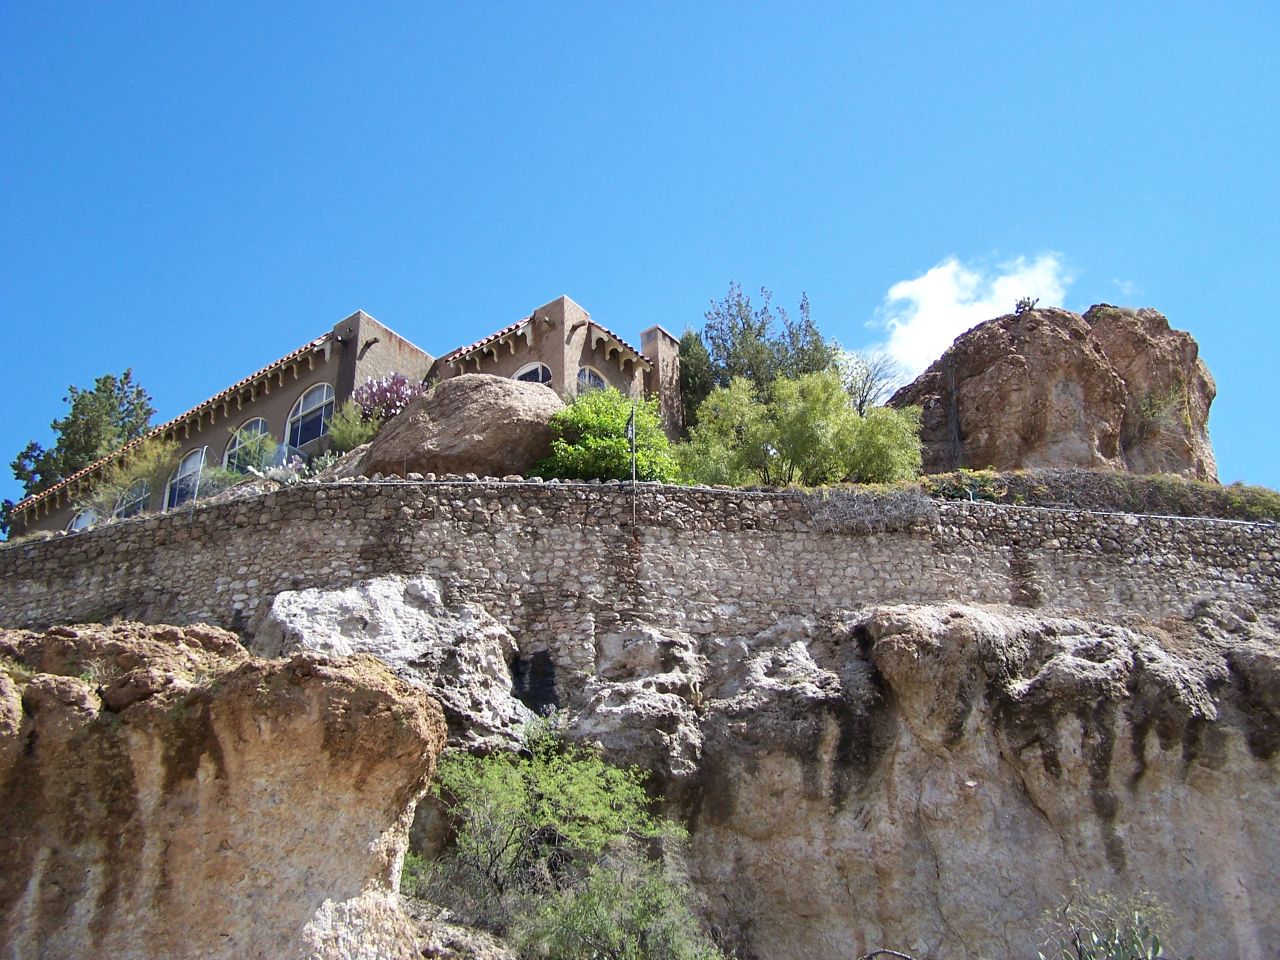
{"x":539,"y":374}
{"x":311,"y":425}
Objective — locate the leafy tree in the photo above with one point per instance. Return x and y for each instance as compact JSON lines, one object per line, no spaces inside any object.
{"x":590,"y":440}
{"x":551,"y":848}
{"x":6,"y":513}
{"x":144,"y":468}
{"x":99,"y":421}
{"x":696,"y":376}
{"x":755,"y":343}
{"x":806,"y":432}
{"x":869,"y":377}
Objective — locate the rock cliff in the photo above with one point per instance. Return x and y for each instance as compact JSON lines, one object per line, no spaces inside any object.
{"x":1113,"y":389}
{"x":926,"y":777}
{"x":165,"y":795}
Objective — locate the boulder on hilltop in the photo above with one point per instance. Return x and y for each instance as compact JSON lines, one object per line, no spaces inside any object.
{"x":475,"y":423}
{"x":1114,"y":389}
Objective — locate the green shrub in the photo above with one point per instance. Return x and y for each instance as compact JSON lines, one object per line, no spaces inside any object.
{"x":807,"y":432}
{"x":145,"y":467}
{"x":348,"y":428}
{"x":590,"y":440}
{"x":1104,"y":926}
{"x":560,"y":852}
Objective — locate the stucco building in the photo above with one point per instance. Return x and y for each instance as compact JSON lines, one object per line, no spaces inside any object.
{"x":292,"y":399}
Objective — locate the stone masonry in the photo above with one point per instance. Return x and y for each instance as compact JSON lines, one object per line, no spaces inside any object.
{"x":560,"y":561}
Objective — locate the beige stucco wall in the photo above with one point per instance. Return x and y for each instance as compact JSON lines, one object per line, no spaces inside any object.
{"x":559,"y":335}
{"x":272,"y":400}
{"x":663,"y":380}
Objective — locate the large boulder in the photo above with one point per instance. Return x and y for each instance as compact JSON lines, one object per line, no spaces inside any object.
{"x":489,"y":426}
{"x":1114,"y":389}
{"x":165,"y":794}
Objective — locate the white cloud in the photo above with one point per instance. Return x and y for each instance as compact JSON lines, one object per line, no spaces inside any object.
{"x":924,"y":315}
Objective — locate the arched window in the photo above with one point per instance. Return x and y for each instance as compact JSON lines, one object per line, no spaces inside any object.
{"x":134,"y":500}
{"x":82,"y":520}
{"x":185,"y":480}
{"x":534,"y":373}
{"x":250,"y":446}
{"x":590,"y":379}
{"x":309,"y":418}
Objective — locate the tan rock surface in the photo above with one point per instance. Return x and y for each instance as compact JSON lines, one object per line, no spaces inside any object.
{"x":163,"y":794}
{"x":1115,"y":389}
{"x":476,"y":423}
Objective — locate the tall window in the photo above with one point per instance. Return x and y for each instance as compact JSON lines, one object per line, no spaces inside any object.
{"x":589,"y":379}
{"x":185,"y":480}
{"x":134,"y":500}
{"x":249,"y":447}
{"x":534,"y":373}
{"x":309,"y":418}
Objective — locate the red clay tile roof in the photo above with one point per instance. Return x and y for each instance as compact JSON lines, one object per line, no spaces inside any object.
{"x":28,"y":502}
{"x":510,"y":328}
{"x":513,"y":327}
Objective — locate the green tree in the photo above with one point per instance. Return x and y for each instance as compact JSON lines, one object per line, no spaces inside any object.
{"x":756,"y":343}
{"x":590,"y":440}
{"x":697,"y":377}
{"x":130,"y":479}
{"x":99,"y":421}
{"x":560,"y":851}
{"x":806,"y":432}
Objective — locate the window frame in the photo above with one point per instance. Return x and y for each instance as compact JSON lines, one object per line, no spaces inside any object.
{"x":298,"y":412}
{"x":592,"y":372}
{"x":236,"y":441}
{"x":175,"y":478}
{"x":529,"y":368}
{"x":73,"y":525}
{"x":129,"y":499}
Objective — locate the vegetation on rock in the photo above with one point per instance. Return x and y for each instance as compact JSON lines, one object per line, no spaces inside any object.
{"x":590,"y":440}
{"x":561,"y":853}
{"x":807,"y":431}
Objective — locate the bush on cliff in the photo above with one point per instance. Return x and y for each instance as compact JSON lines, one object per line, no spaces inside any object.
{"x":590,"y":440}
{"x":807,"y":431}
{"x":561,"y":853}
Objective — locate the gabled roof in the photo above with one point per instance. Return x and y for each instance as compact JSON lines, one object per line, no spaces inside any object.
{"x":195,"y":412}
{"x":513,"y":329}
{"x":455,"y":355}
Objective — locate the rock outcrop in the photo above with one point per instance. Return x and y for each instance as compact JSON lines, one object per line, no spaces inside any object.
{"x":459,"y":653}
{"x":476,"y":423}
{"x":1113,"y":389}
{"x":165,"y":795}
{"x":934,"y":778}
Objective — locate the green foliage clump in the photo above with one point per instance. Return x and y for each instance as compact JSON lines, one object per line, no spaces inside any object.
{"x":697,"y":377}
{"x":807,"y":431}
{"x":590,"y":440}
{"x":348,"y":428}
{"x":760,"y":346}
{"x":131,"y":478}
{"x":1103,"y":926}
{"x":116,"y":411}
{"x":560,"y":852}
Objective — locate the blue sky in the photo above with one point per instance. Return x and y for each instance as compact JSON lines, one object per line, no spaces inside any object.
{"x":194,"y":190}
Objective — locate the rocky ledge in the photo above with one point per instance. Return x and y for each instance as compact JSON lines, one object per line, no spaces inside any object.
{"x":925,"y":777}
{"x":163,"y":794}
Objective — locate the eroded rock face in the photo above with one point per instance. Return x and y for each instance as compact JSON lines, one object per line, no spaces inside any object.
{"x":163,"y":794}
{"x":934,"y":778}
{"x":1113,"y":389}
{"x":476,"y":423}
{"x":953,"y":769}
{"x":459,"y":653}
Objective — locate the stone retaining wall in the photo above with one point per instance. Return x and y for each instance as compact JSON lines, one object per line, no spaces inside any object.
{"x":563,"y":560}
